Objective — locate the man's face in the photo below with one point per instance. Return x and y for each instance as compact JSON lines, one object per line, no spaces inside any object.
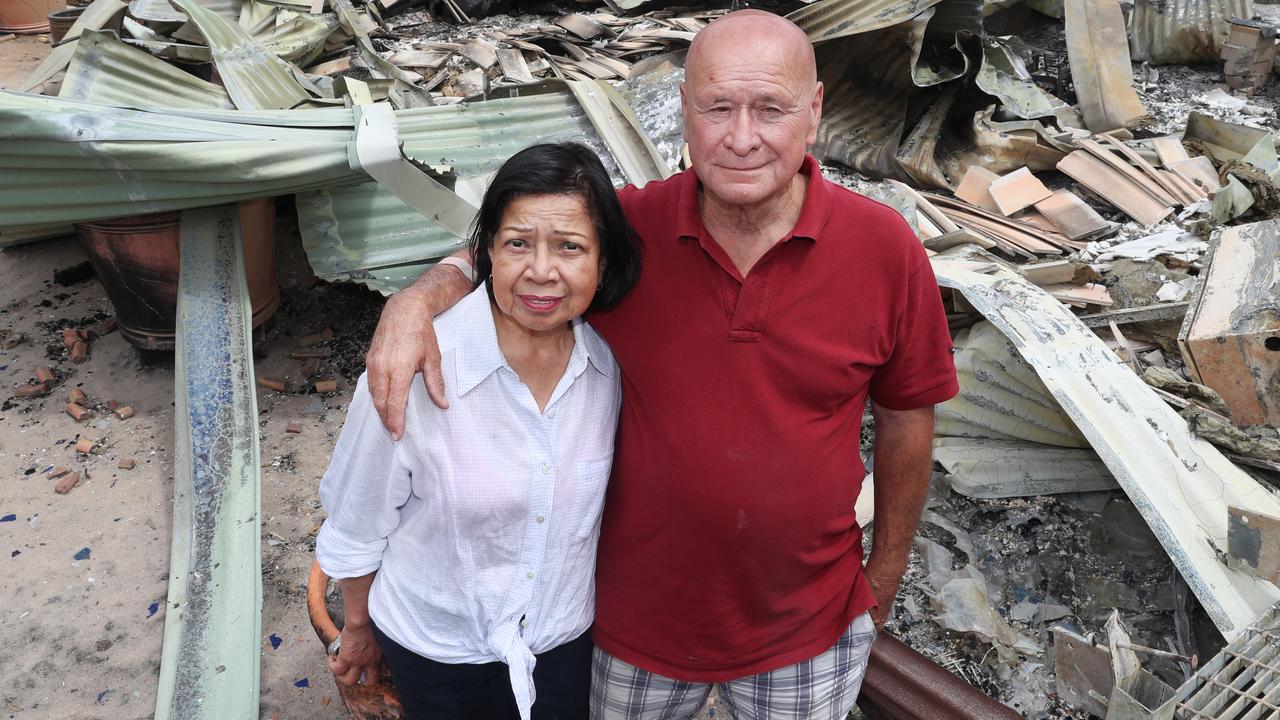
{"x":749,"y":114}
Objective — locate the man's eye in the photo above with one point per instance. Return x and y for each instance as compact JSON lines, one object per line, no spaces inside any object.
{"x":572,"y":246}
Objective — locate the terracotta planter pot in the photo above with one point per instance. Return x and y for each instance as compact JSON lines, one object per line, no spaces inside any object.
{"x":27,"y":16}
{"x":60,"y":21}
{"x":379,"y":701}
{"x":137,"y":258}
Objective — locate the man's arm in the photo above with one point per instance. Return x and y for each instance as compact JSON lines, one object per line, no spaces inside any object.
{"x":405,"y":342}
{"x":359,"y":657}
{"x":903,"y":460}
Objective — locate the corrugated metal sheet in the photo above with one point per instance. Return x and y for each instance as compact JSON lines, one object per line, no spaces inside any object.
{"x":363,"y":233}
{"x":109,"y":72}
{"x":300,"y":39}
{"x":95,"y":17}
{"x":209,"y":668}
{"x":1165,"y":32}
{"x":254,"y":77}
{"x":1180,"y":484}
{"x":163,"y":11}
{"x":830,"y":19}
{"x":67,"y":161}
{"x":868,"y":85}
{"x":1003,"y":75}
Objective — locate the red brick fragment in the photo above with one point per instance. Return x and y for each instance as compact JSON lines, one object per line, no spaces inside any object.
{"x":58,"y":472}
{"x":324,"y":335}
{"x":33,"y":390}
{"x":44,"y":374}
{"x":273,"y":383}
{"x":70,"y":337}
{"x":127,"y":464}
{"x":77,"y":411}
{"x":326,"y":386}
{"x":84,"y":446}
{"x":124,"y":412}
{"x":65,"y":485}
{"x":106,"y":327}
{"x":77,"y":396}
{"x":7,"y":38}
{"x":80,"y":352}
{"x":113,"y":404}
{"x":294,"y":427}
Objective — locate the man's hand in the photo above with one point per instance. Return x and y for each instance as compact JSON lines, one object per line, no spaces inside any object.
{"x":359,"y":658}
{"x":884,"y":582}
{"x":405,"y":343}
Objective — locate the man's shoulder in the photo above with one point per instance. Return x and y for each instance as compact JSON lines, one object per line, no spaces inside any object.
{"x":654,"y":192}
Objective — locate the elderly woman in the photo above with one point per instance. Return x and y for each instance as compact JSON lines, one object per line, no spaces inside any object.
{"x":466,"y":551}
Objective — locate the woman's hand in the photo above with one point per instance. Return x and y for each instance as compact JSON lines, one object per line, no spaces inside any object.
{"x":359,"y":659}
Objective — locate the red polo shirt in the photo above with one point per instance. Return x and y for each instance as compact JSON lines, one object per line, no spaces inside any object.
{"x":729,"y":544}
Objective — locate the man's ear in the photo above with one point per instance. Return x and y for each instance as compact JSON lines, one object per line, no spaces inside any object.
{"x":815,"y":110}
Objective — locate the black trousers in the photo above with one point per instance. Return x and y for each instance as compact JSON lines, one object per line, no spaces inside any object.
{"x":431,"y":690}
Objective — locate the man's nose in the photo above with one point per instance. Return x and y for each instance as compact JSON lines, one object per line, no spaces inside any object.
{"x":742,"y":137}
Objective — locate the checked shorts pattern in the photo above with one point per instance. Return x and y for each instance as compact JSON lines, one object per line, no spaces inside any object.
{"x":820,"y":688}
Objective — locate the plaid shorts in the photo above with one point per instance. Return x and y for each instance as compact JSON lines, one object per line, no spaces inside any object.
{"x":820,"y":688}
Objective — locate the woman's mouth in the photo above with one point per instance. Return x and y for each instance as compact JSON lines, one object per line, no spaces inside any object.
{"x":540,"y":303}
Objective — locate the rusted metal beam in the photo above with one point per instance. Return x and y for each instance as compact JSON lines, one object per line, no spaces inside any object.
{"x":902,"y":684}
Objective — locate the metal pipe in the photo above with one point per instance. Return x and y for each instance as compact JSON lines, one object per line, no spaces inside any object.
{"x":902,"y":684}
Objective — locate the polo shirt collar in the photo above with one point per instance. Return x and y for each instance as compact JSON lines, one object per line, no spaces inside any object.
{"x":813,"y":214}
{"x":478,"y":354}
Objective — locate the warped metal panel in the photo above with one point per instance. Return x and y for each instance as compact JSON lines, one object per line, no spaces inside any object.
{"x":1180,"y":484}
{"x":615,"y":122}
{"x":1100,"y":65}
{"x":830,"y":19}
{"x":1182,"y":31}
{"x":209,"y":664}
{"x":255,"y":78}
{"x":109,"y":72}
{"x":163,"y":11}
{"x":94,"y":17}
{"x":300,"y":39}
{"x":1004,"y":75}
{"x":363,"y":233}
{"x":69,"y":161}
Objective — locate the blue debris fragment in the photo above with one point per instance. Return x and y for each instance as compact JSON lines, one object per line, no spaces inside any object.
{"x":302,"y":683}
{"x":83,"y":554}
{"x":275,"y":641}
{"x":152,"y":608}
{"x":102,"y":696}
{"x":9,"y":518}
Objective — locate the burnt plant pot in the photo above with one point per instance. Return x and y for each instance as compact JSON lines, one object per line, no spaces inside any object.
{"x":60,"y":21}
{"x":25,"y":17}
{"x":377,"y":701}
{"x":137,"y":260}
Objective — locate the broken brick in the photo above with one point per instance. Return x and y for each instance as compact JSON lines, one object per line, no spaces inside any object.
{"x":84,"y":446}
{"x":113,"y":404}
{"x":77,"y":411}
{"x":324,"y":335}
{"x":124,"y":412}
{"x":70,"y":337}
{"x":272,"y":383}
{"x":33,"y":390}
{"x":106,"y":327}
{"x":58,"y":472}
{"x":44,"y":374}
{"x":326,"y":386}
{"x":77,"y":396}
{"x":66,"y":484}
{"x":7,"y":37}
{"x":294,"y":427}
{"x":127,"y":464}
{"x":12,"y":342}
{"x":80,"y":352}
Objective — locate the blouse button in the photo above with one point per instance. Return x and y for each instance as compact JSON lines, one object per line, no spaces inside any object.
{"x":541,"y":519}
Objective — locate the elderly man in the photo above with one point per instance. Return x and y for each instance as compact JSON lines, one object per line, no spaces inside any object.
{"x":771,"y":305}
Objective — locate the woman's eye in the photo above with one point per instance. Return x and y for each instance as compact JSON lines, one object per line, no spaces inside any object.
{"x":515,"y":243}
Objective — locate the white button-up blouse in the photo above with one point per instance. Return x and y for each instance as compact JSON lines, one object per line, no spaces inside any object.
{"x":482,"y":521}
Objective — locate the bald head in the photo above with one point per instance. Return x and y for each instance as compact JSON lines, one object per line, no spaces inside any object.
{"x":751,"y":102}
{"x":755,"y":32}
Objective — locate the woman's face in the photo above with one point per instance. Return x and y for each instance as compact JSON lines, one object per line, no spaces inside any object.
{"x":546,"y":260}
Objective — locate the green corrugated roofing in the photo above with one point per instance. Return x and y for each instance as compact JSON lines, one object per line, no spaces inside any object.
{"x":109,"y":72}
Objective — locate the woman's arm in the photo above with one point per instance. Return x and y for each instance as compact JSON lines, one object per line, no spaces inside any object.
{"x":359,"y":659}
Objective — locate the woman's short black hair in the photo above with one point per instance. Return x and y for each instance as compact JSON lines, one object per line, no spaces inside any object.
{"x":567,"y":168}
